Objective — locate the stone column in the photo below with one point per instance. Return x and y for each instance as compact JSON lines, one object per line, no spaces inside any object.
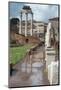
{"x":26,"y":24}
{"x":31,"y":24}
{"x":20,"y":28}
{"x":48,"y":35}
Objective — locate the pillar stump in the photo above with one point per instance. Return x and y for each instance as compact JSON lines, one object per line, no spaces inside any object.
{"x":49,"y":56}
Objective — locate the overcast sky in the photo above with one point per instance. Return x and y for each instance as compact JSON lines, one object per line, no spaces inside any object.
{"x":40,"y":12}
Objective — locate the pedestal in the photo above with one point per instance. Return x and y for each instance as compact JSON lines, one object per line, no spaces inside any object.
{"x":49,"y":56}
{"x":51,"y":65}
{"x":53,"y":71}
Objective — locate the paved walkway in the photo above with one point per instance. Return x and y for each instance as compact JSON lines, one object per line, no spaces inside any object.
{"x":30,"y":73}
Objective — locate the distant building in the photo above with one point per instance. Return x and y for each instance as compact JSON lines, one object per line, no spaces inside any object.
{"x":39,"y":29}
{"x":55,"y":26}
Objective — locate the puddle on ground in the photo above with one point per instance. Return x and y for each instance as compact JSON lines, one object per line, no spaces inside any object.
{"x":33,"y":76}
{"x":27,"y":76}
{"x":36,"y":73}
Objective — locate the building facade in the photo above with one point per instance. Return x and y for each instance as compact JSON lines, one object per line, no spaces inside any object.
{"x":39,"y":29}
{"x":55,"y":25}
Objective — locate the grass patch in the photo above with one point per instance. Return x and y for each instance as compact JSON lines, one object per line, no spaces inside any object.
{"x":18,"y":53}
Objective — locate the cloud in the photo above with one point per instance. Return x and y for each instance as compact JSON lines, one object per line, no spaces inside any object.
{"x":41,"y":12}
{"x":44,"y":12}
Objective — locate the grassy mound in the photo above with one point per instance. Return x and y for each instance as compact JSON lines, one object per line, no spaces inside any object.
{"x":18,"y":53}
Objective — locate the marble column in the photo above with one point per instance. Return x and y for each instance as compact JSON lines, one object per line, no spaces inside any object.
{"x":48,"y":35}
{"x":20,"y":28}
{"x":26,"y":24}
{"x":31,"y":24}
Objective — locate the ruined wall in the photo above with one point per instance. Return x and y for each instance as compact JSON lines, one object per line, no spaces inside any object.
{"x":21,"y":39}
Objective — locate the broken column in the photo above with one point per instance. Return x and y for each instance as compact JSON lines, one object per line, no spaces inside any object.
{"x":50,"y":56}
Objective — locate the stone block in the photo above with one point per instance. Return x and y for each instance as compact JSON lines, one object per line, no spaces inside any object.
{"x":53,"y":73}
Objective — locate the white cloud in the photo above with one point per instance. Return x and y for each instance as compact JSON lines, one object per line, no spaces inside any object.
{"x":44,"y":12}
{"x":41,"y":12}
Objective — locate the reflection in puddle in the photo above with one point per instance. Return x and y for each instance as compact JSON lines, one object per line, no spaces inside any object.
{"x":14,"y":71}
{"x":30,"y":76}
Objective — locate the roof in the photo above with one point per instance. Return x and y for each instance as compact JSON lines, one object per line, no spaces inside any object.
{"x":55,"y":19}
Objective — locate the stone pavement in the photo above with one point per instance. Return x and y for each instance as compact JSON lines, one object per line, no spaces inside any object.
{"x":30,"y":74}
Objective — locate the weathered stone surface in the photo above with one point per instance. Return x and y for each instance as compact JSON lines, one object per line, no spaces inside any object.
{"x":50,"y":54}
{"x":21,"y":39}
{"x":53,"y":73}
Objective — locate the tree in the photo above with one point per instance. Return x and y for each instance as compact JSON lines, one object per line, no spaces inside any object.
{"x":14,"y":25}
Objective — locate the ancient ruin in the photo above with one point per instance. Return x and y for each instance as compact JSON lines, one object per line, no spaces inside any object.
{"x":50,"y":56}
{"x":26,"y":10}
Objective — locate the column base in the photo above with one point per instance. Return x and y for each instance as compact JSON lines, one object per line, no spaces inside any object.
{"x":50,"y":54}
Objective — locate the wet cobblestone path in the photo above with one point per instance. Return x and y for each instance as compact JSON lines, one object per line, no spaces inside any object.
{"x":30,"y":72}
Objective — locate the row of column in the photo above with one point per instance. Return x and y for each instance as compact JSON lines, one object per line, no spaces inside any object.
{"x":26,"y":20}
